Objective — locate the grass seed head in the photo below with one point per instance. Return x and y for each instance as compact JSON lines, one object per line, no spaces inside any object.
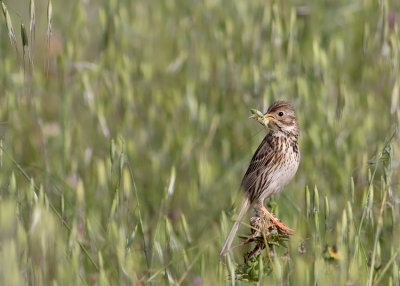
{"x":24,"y":36}
{"x":9,"y":26}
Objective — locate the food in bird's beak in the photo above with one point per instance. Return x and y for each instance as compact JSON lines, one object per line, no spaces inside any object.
{"x":259,"y":117}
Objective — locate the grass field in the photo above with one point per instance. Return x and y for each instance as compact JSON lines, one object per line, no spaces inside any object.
{"x":125,"y":133}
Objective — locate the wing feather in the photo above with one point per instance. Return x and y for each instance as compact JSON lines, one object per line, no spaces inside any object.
{"x":258,"y":165}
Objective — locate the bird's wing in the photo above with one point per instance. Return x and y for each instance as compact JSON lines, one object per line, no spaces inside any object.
{"x":261,"y":159}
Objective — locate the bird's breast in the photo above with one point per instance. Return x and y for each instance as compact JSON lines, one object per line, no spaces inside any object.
{"x":284,"y":171}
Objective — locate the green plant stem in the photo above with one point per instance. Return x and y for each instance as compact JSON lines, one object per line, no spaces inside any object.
{"x":53,"y":208}
{"x":377,"y":233}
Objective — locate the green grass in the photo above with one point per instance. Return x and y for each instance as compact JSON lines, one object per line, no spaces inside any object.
{"x":125,"y":133}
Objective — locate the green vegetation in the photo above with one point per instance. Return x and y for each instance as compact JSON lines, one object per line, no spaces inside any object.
{"x":124,"y":135}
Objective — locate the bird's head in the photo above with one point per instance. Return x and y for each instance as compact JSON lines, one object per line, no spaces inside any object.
{"x":280,"y":118}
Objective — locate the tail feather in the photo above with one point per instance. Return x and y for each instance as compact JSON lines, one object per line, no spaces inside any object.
{"x":228,"y":242}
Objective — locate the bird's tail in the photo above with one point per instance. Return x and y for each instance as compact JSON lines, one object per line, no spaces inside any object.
{"x":228,"y":242}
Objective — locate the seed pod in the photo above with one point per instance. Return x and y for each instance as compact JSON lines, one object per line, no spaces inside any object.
{"x":112,"y":151}
{"x":308,"y":202}
{"x":352,"y":189}
{"x":32,"y":15}
{"x":326,"y":207}
{"x":24,"y":37}
{"x":9,"y":25}
{"x":316,"y":199}
{"x":49,"y":17}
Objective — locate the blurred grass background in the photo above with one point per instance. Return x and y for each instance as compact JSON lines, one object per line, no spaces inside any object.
{"x":125,"y":140}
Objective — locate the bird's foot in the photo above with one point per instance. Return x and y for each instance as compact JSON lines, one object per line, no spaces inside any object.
{"x":276,"y":222}
{"x":281,"y":226}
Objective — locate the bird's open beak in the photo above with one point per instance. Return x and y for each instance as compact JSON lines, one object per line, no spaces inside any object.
{"x":269,"y":117}
{"x":261,"y":118}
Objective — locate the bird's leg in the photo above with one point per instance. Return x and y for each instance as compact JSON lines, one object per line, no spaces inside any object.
{"x":275,"y":221}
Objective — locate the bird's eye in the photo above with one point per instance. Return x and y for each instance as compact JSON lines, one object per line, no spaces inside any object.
{"x":280,"y":113}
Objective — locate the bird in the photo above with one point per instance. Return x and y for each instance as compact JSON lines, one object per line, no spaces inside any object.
{"x":272,"y":167}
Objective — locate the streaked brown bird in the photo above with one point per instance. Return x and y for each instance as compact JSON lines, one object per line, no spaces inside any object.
{"x":272,"y":167}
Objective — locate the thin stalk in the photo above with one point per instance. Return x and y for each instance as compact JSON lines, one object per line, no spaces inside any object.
{"x":146,"y":250}
{"x":369,"y":188}
{"x":377,"y":234}
{"x":53,"y":208}
{"x":382,"y":274}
